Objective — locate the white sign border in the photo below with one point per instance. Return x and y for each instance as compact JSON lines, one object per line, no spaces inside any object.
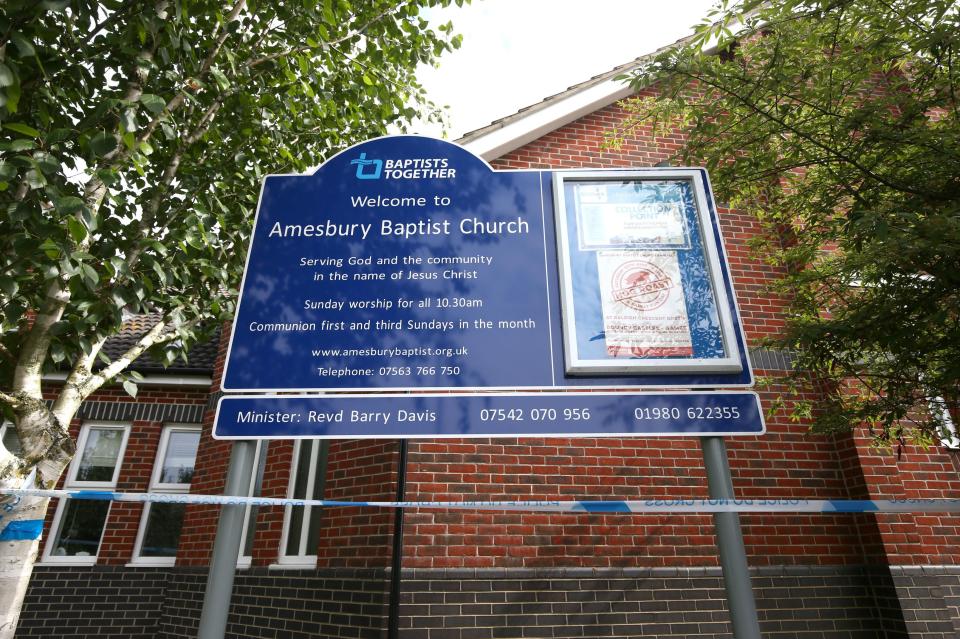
{"x":580,"y":366}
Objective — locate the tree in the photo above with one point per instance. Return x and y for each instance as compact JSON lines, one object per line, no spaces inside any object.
{"x":134,"y":140}
{"x":836,"y":123}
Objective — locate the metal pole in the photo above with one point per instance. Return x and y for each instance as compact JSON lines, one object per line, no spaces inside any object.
{"x":226,"y":546}
{"x":393,"y":614}
{"x":733,"y":555}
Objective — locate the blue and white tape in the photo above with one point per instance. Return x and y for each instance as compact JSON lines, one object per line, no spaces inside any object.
{"x":661,"y":506}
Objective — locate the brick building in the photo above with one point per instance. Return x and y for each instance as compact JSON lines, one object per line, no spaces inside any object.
{"x":127,"y":570}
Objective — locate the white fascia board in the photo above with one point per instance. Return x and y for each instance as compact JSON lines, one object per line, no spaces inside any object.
{"x":190,"y":381}
{"x":515,"y":134}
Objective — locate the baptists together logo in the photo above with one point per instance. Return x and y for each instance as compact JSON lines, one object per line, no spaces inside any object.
{"x":403,"y":168}
{"x":367,"y":169}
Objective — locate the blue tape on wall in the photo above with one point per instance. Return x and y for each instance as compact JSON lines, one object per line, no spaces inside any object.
{"x":96,"y":495}
{"x":604,"y":507}
{"x":22,"y":530}
{"x":660,"y":505}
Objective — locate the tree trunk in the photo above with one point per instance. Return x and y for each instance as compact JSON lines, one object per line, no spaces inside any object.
{"x":20,"y":535}
{"x":21,"y":518}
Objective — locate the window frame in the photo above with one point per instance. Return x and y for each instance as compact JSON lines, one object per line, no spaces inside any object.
{"x":579,"y":364}
{"x":256,"y":477}
{"x":70,"y":482}
{"x":322,"y":450}
{"x":158,"y":487}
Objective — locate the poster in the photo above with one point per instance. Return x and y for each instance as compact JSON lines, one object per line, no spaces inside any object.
{"x":606,"y":223}
{"x":644,"y":311}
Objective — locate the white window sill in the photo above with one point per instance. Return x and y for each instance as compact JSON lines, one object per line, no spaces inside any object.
{"x":71,"y":561}
{"x":294,"y":563}
{"x":152,"y":562}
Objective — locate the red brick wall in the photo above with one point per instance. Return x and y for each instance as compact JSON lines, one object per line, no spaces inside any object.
{"x":209,"y":478}
{"x":276,"y":483}
{"x":124,"y":519}
{"x":359,"y":470}
{"x":786,"y":462}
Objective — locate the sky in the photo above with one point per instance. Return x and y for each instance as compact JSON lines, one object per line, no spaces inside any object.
{"x":517,"y":52}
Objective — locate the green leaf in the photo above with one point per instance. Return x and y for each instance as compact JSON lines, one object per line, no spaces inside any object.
{"x":35,"y":179}
{"x":9,"y":286}
{"x":57,"y":353}
{"x":12,"y":95}
{"x":46,"y":163}
{"x":68,"y":205}
{"x":14,"y":312}
{"x":77,"y":230}
{"x":220,"y":78}
{"x":119,"y":264}
{"x":130,"y":387}
{"x":22,"y":128}
{"x":103,"y":143}
{"x":153,"y":103}
{"x":161,"y":274}
{"x":59,"y":135}
{"x":6,"y":76}
{"x":24,"y":47}
{"x":90,"y":273}
{"x":51,"y":248}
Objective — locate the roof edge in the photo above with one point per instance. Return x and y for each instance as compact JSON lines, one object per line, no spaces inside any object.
{"x":531,"y":122}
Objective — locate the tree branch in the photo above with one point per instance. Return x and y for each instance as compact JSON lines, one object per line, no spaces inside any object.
{"x":177,"y":101}
{"x":161,"y":333}
{"x":127,"y":4}
{"x":26,"y":376}
{"x":350,"y":34}
{"x":5,"y":352}
{"x":10,"y":400}
{"x":170,"y":172}
{"x":799,"y":133}
{"x":71,"y":395}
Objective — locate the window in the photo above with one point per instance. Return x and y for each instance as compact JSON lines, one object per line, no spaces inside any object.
{"x":250,"y":513}
{"x":78,"y":524}
{"x":301,"y":524}
{"x":160,"y":525}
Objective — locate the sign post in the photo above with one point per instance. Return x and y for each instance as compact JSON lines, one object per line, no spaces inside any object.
{"x":733,"y":556}
{"x":226,"y":546}
{"x":407,"y":264}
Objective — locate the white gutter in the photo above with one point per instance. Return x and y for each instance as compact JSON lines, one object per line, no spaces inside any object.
{"x":515,"y":134}
{"x":189,"y":381}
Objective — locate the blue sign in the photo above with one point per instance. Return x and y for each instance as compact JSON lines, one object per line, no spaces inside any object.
{"x":489,"y":415}
{"x":408,"y":263}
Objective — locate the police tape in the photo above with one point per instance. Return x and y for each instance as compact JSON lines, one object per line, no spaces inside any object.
{"x":650,"y":506}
